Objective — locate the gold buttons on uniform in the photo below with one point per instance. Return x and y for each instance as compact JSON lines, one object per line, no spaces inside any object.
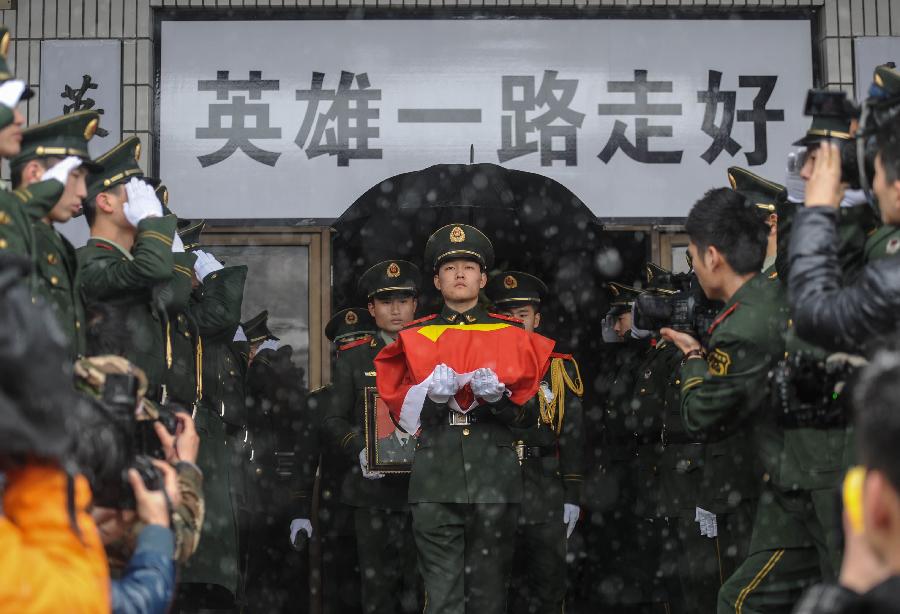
{"x":259,"y":471}
{"x":77,"y":325}
{"x":52,"y":259}
{"x":466,"y":432}
{"x":54,"y":280}
{"x":3,"y":244}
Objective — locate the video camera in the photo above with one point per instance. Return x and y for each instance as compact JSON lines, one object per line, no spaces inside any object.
{"x":133,"y":443}
{"x":684,"y":308}
{"x":857,"y":153}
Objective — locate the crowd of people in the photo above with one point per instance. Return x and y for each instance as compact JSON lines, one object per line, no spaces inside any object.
{"x":736,"y":451}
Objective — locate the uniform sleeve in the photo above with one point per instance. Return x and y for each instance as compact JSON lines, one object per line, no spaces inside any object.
{"x":45,"y":565}
{"x":104,"y":274}
{"x":218,"y":308}
{"x":177,"y":292}
{"x":188,"y":516}
{"x":721,"y":393}
{"x":18,"y":209}
{"x":340,"y":429}
{"x":305,"y":444}
{"x":572,"y":448}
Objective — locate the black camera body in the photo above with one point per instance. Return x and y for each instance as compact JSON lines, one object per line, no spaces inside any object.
{"x":809,"y":392}
{"x":685,"y":308}
{"x":124,"y":451}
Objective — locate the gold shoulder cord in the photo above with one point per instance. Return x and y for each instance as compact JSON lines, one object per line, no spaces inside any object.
{"x":198,"y":367}
{"x":553,"y":413}
{"x":168,"y":344}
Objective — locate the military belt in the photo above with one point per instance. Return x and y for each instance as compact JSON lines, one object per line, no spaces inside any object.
{"x":454,"y":418}
{"x":537,"y":452}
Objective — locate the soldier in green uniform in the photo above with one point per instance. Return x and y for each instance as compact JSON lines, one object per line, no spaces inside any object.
{"x":20,"y":207}
{"x":387,"y":555}
{"x":466,"y":484}
{"x":552,"y":453}
{"x":215,"y":305}
{"x":129,"y":257}
{"x":57,"y":148}
{"x":725,"y":391}
{"x":349,"y":325}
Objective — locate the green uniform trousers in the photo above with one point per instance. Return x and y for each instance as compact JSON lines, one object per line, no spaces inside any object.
{"x":772,"y":578}
{"x":465,"y":555}
{"x":696,"y":566}
{"x":539,"y":568}
{"x":387,"y":561}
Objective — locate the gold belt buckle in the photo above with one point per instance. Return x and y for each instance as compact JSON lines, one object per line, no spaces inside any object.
{"x":458,"y":419}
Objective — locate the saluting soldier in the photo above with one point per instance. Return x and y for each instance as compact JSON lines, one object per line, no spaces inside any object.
{"x":552,"y":453}
{"x":129,"y":259}
{"x":466,"y":483}
{"x":59,"y":149}
{"x":387,"y":555}
{"x":20,"y":207}
{"x":725,"y":391}
{"x":221,"y":422}
{"x":885,"y":241}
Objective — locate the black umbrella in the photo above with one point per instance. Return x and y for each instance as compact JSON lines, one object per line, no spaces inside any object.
{"x":536,"y":224}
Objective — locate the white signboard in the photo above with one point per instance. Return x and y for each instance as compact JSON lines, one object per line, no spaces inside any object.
{"x":83,"y":75}
{"x":869,"y":52}
{"x":296,"y":119}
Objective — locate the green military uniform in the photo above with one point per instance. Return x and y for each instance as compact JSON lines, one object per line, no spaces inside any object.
{"x":552,"y":453}
{"x":687,"y":475}
{"x":466,"y":484}
{"x":55,"y":273}
{"x":882,"y":243}
{"x":221,"y":422}
{"x":728,"y":393}
{"x":387,"y":555}
{"x":131,"y":281}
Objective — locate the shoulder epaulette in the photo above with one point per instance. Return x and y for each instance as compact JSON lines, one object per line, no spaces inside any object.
{"x":357,"y":342}
{"x":721,"y":318}
{"x":420,"y":320}
{"x":500,"y":316}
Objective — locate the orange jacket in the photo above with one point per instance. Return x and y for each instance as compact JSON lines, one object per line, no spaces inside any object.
{"x":44,"y":565}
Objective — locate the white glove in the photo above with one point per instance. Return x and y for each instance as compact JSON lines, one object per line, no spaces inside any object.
{"x":268,"y":344}
{"x":206,"y":264}
{"x":443,"y":384}
{"x":300,"y":524}
{"x":364,"y":465}
{"x":570,"y":517}
{"x":239,"y":334}
{"x":487,"y":386}
{"x":60,"y":171}
{"x":177,"y":244}
{"x":11,"y":93}
{"x":142,"y":202}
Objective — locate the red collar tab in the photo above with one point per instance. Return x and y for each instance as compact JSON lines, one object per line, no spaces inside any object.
{"x":721,"y":318}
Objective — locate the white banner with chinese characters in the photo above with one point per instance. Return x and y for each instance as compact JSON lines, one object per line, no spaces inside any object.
{"x":296,"y":119}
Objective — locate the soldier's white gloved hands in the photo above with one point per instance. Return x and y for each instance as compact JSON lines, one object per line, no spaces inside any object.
{"x":487,"y":386}
{"x":142,"y":202}
{"x":177,"y":244}
{"x":300,"y":524}
{"x":364,"y":465}
{"x":11,"y":93}
{"x":239,"y":334}
{"x":443,"y":384}
{"x":570,"y":517}
{"x":206,"y":264}
{"x":60,"y":171}
{"x":268,"y":344}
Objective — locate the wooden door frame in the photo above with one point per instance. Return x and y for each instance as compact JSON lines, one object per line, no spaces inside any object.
{"x":317,"y":239}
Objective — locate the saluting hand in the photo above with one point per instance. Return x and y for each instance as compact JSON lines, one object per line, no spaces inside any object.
{"x":824,"y":187}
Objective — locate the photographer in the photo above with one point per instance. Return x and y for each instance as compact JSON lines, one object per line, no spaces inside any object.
{"x":51,"y":558}
{"x":870,"y":574}
{"x":724,"y":391}
{"x":835,"y":315}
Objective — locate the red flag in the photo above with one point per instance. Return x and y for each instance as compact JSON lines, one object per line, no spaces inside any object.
{"x":404,"y":368}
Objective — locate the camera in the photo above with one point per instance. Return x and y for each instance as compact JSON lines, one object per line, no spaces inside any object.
{"x":121,"y":445}
{"x":148,"y":443}
{"x":858,"y":151}
{"x":811,"y":392}
{"x":684,"y":308}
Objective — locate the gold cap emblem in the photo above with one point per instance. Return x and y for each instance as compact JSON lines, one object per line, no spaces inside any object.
{"x":509,"y":282}
{"x":613,"y":290}
{"x":351,"y":318}
{"x":164,"y":197}
{"x":878,"y":80}
{"x":137,"y":151}
{"x":4,"y":44}
{"x":732,"y":181}
{"x":457,"y":235}
{"x":393,"y":270}
{"x":91,"y":129}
